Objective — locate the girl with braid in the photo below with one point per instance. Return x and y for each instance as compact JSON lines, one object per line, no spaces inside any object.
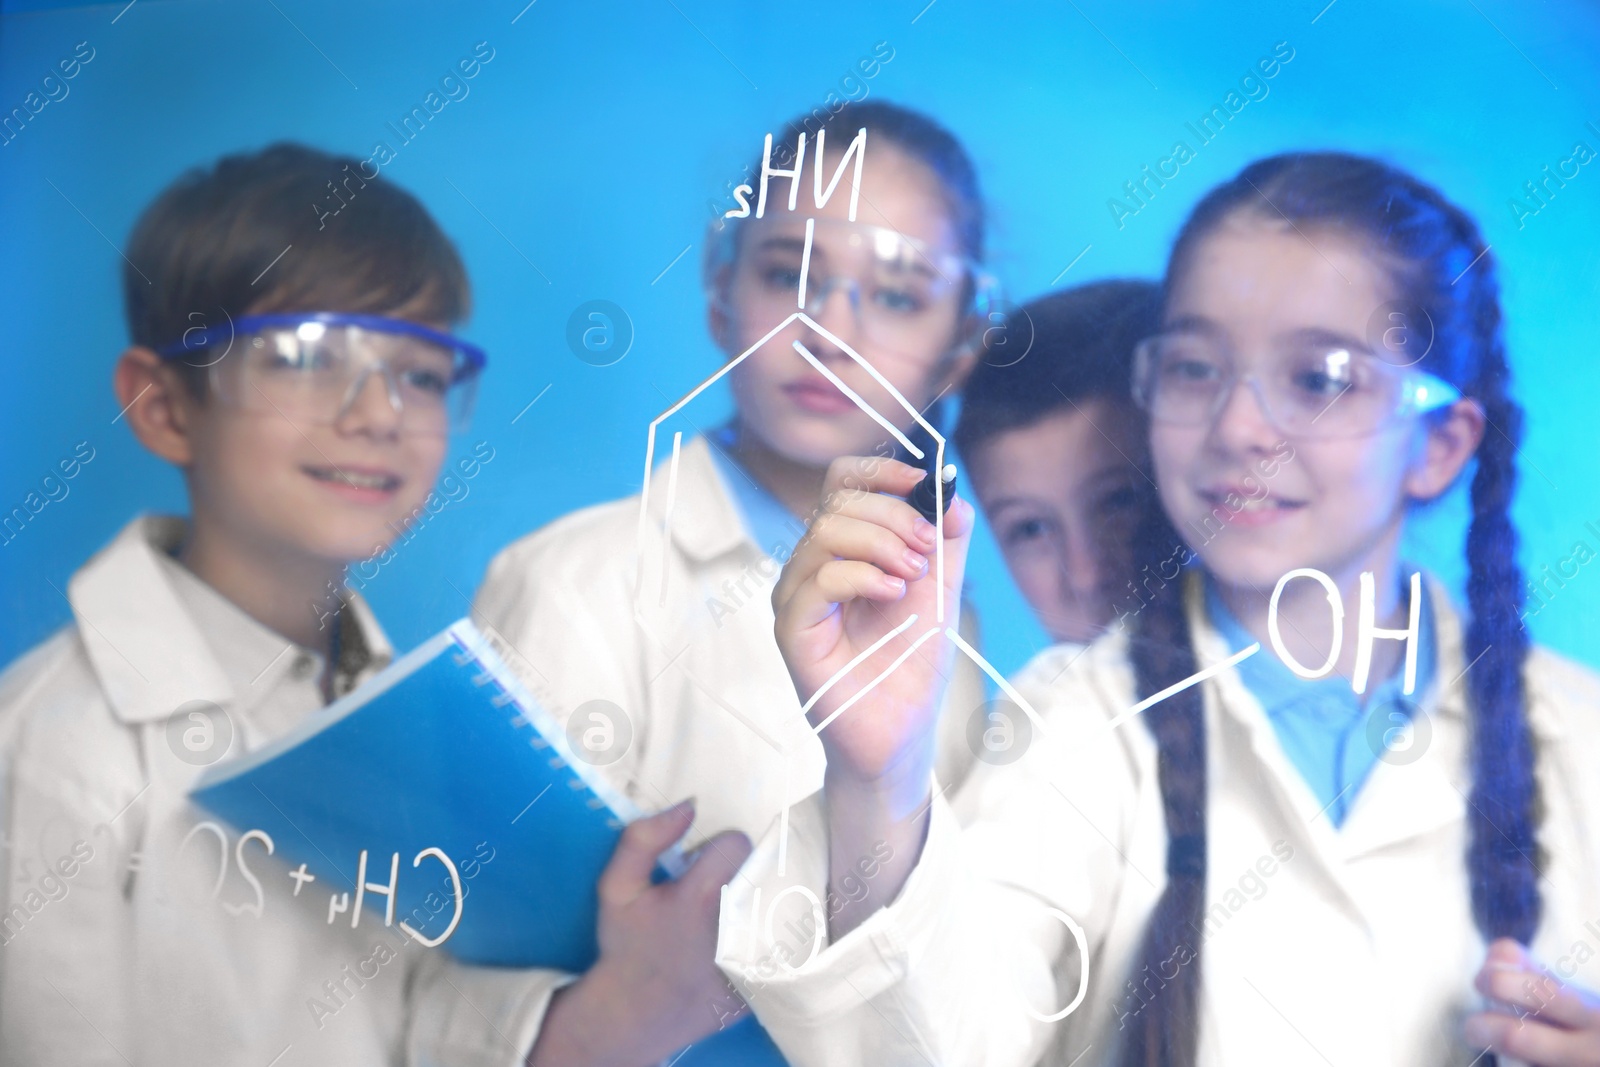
{"x":1369,"y":834}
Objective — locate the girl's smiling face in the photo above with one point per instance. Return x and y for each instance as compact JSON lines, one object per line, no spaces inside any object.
{"x":1257,"y":286}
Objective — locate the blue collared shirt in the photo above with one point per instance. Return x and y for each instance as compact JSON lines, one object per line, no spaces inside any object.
{"x":1322,"y":725}
{"x":774,"y":527}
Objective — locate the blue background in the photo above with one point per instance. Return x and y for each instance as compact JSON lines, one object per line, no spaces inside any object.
{"x":584,"y":159}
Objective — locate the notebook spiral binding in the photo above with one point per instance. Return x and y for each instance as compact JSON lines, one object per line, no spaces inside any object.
{"x":506,"y":697}
{"x":599,"y":797}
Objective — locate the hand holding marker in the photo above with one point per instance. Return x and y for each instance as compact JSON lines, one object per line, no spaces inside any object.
{"x":924,"y":496}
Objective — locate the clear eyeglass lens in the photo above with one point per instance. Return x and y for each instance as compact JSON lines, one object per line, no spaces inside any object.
{"x":314,"y":374}
{"x":900,"y":294}
{"x":1325,"y":390}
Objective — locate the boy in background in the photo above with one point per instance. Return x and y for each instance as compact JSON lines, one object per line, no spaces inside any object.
{"x":1056,"y":452}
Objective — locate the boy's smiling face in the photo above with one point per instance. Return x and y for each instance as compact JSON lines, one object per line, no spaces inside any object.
{"x":339,"y":492}
{"x":288,"y":483}
{"x":320,"y":490}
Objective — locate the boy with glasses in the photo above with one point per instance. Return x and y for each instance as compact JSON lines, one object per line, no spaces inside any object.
{"x":305,"y":385}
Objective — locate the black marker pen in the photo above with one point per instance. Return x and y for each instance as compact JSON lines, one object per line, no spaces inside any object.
{"x":923,"y":495}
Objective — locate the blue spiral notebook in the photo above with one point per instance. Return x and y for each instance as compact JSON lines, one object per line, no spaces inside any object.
{"x":445,"y":756}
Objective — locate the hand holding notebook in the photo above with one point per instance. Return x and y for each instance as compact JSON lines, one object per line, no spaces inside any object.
{"x":657,"y":946}
{"x":385,"y":795}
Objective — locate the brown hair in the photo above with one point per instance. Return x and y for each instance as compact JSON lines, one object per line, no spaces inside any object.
{"x":1080,"y":345}
{"x":1434,"y":245}
{"x":287,"y":228}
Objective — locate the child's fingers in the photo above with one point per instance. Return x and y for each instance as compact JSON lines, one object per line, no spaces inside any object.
{"x":890,"y":512}
{"x":1536,"y":993}
{"x":845,"y":537}
{"x":830,"y":533}
{"x":1513,"y":985}
{"x":840,"y":581}
{"x":1530,"y":1041}
{"x":1512,"y":976}
{"x":715,"y":863}
{"x":869,"y":489}
{"x":871,"y":474}
{"x":849,"y":537}
{"x":959,"y":520}
{"x":628,"y":873}
{"x":836,"y":582}
{"x":1504,"y":953}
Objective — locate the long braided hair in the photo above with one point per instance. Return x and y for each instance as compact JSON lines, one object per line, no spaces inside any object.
{"x":1445,"y":275}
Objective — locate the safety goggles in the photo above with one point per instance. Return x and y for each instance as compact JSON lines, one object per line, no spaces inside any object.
{"x":311,"y":368}
{"x":903,"y":296}
{"x":1308,"y":391}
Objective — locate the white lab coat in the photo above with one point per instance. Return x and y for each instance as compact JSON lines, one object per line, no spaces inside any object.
{"x":126,"y":954}
{"x":690,"y":660}
{"x":1358,"y":950}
